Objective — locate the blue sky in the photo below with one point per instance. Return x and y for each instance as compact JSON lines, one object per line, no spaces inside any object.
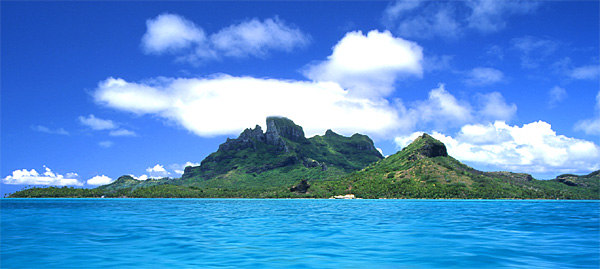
{"x":95,"y":90}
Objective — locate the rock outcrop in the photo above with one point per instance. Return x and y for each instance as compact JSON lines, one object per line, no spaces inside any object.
{"x":277,"y":129}
{"x":575,"y":180}
{"x":285,"y":145}
{"x":426,"y":146}
{"x":302,"y":187}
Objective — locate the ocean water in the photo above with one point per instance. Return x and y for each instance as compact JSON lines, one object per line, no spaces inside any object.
{"x":264,"y":233}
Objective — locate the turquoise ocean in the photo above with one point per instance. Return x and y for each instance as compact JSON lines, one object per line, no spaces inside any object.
{"x":302,"y":233}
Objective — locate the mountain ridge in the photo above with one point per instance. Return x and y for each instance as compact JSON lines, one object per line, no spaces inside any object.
{"x":283,"y":163}
{"x":282,"y":145}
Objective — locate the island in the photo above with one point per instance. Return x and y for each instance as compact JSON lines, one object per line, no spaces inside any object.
{"x":282,"y":163}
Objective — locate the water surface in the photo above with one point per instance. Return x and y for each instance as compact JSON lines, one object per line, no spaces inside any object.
{"x":101,"y":233}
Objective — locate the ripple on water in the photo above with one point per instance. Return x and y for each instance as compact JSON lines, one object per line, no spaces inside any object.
{"x":299,"y":233}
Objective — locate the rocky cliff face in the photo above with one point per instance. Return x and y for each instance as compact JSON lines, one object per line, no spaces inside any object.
{"x":284,"y":145}
{"x":277,"y":129}
{"x":576,"y":180}
{"x":426,"y":146}
{"x":247,"y":139}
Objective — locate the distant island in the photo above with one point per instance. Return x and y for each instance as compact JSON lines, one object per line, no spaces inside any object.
{"x":283,"y":163}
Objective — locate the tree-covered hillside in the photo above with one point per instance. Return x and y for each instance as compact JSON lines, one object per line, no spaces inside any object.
{"x":424,"y":170}
{"x":283,"y":163}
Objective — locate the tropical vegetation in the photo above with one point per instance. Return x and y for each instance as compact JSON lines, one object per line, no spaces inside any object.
{"x":283,"y":163}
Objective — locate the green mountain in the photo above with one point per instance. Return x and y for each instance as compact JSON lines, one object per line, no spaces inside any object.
{"x":267,"y":164}
{"x":423,"y":169}
{"x":260,"y":162}
{"x":283,"y":163}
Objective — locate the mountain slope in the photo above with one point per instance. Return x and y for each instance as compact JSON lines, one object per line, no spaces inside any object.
{"x":284,"y":145}
{"x":282,"y":162}
{"x":423,"y":169}
{"x":268,"y":162}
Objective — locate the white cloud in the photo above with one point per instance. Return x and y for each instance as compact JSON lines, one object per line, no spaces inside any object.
{"x":532,"y":148}
{"x":430,"y":23}
{"x":32,"y":177}
{"x":451,"y":19}
{"x":99,"y":180}
{"x":534,"y":50}
{"x":442,"y":109}
{"x":122,"y":132}
{"x":174,"y":34}
{"x":44,"y":129}
{"x":369,"y":65}
{"x":106,"y":144}
{"x":179,"y":168}
{"x":433,"y":63}
{"x":398,"y":8}
{"x":140,"y":178}
{"x":586,"y":72}
{"x":556,"y":95}
{"x":591,"y":126}
{"x":97,"y":123}
{"x":170,"y":33}
{"x":203,"y":105}
{"x":490,"y":15}
{"x":191,"y":103}
{"x":256,"y":38}
{"x":493,"y":107}
{"x":158,"y":171}
{"x":481,"y":76}
{"x":101,"y":124}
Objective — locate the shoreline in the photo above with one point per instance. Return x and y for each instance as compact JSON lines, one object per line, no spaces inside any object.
{"x":256,"y":198}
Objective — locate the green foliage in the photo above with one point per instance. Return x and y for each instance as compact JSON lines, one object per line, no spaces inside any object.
{"x":336,"y":165}
{"x":270,"y":162}
{"x":57,"y":192}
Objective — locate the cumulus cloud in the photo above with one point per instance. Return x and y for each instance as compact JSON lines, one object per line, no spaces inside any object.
{"x":32,"y":177}
{"x":158,"y":171}
{"x":106,"y":144}
{"x":256,"y":38}
{"x":556,"y":95}
{"x":482,"y":76}
{"x":172,"y":33}
{"x":44,"y":129}
{"x":140,"y":178}
{"x":591,"y":126}
{"x":494,"y":107}
{"x":102,"y":124}
{"x":192,"y":103}
{"x":203,"y":106}
{"x":532,"y":148}
{"x":99,"y":180}
{"x":369,"y":65}
{"x":442,"y":109}
{"x":585,"y":72}
{"x":451,"y":19}
{"x":179,"y":168}
{"x":97,"y":123}
{"x":122,"y":132}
